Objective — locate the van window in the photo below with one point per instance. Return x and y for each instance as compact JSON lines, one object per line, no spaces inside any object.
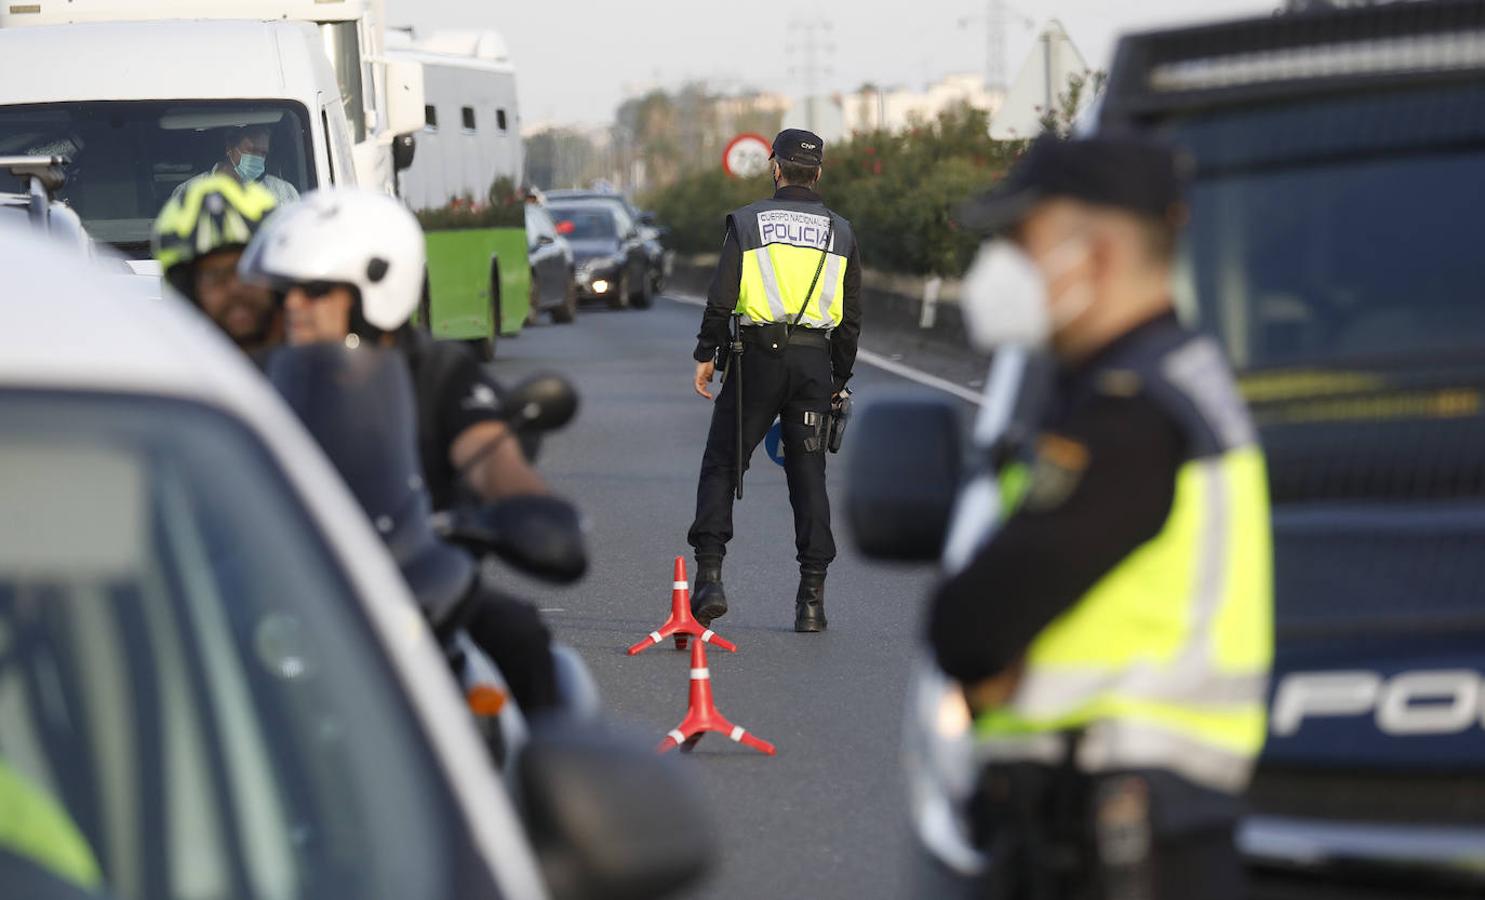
{"x":500,"y":119}
{"x":128,"y":157}
{"x":1340,"y":230}
{"x":469,"y":118}
{"x":430,"y":114}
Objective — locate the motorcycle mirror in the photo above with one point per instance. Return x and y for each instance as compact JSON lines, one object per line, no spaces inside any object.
{"x":539,"y":535}
{"x":608,"y":817}
{"x":544,"y":402}
{"x":902,"y":491}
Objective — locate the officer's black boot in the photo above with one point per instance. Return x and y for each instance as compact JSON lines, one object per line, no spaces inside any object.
{"x":809,"y":603}
{"x":709,"y":600}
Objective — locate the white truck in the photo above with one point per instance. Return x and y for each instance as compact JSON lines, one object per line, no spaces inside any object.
{"x":381,"y":99}
{"x":472,"y":134}
{"x":137,"y":108}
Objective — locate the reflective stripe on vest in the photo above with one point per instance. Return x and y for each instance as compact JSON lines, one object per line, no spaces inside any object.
{"x":781,"y":246}
{"x":1164,"y":662}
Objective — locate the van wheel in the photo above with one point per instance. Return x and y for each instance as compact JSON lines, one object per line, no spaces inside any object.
{"x":533,"y":312}
{"x":646,"y":293}
{"x":619,"y":299}
{"x":567,"y":311}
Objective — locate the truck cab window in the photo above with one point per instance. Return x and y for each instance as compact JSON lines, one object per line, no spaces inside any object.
{"x":129,"y":157}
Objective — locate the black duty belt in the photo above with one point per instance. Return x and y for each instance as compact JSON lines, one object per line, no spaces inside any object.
{"x":772,"y":336}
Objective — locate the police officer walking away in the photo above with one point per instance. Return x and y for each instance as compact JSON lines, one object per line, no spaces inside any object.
{"x":1114,"y":635}
{"x":789,"y":284}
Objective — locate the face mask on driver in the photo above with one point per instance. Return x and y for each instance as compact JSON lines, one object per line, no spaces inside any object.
{"x":250,"y":166}
{"x":1005,"y":298}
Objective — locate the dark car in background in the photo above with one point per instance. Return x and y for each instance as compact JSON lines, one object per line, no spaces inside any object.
{"x":608,"y":249}
{"x":1334,"y":248}
{"x":651,"y":232}
{"x":553,"y":268}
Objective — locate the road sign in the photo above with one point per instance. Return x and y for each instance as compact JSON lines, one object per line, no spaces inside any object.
{"x":746,"y":155}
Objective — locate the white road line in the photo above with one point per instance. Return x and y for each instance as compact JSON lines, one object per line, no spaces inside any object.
{"x":901,"y":370}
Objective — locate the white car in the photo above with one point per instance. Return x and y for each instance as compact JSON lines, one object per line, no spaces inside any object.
{"x":213,"y":682}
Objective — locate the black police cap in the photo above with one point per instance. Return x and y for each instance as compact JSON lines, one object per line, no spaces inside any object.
{"x":1123,"y":173}
{"x":795,"y":145}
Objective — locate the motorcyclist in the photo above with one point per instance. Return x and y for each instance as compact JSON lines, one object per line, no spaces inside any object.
{"x":348,"y":268}
{"x":198,"y":239}
{"x":358,"y":405}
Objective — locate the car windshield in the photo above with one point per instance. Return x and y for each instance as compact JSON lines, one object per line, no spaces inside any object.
{"x":1340,"y":230}
{"x":191,"y":704}
{"x":128,"y":157}
{"x":585,"y":222}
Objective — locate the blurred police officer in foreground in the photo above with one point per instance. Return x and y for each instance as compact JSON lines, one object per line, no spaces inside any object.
{"x":790,"y":278}
{"x":1114,"y":635}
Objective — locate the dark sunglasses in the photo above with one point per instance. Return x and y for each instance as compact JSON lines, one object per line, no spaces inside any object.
{"x":315,"y":290}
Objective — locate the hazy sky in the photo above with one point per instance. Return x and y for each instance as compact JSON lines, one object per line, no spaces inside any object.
{"x":577,"y":59}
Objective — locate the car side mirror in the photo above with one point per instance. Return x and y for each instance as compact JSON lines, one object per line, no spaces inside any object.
{"x":543,"y":402}
{"x":647,"y":218}
{"x":539,"y":535}
{"x":404,"y":148}
{"x":545,"y":240}
{"x":902,"y":488}
{"x":608,"y":817}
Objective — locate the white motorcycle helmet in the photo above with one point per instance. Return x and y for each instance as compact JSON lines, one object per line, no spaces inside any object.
{"x":360,"y":238}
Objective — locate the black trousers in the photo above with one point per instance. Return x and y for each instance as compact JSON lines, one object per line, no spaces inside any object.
{"x":787,"y":384}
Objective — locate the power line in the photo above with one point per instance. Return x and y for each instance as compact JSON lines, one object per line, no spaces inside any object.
{"x":811,"y":53}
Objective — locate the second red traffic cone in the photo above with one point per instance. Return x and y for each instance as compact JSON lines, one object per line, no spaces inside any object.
{"x":702,"y":716}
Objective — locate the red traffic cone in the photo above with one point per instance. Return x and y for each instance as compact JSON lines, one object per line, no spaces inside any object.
{"x":702,"y":716}
{"x":681,"y":623}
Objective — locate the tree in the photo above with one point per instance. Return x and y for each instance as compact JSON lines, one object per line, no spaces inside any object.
{"x":1080,"y":90}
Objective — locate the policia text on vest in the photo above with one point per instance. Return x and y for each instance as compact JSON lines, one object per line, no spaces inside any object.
{"x":774,"y":251}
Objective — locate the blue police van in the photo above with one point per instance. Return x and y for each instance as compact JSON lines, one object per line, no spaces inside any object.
{"x":1337,"y":248}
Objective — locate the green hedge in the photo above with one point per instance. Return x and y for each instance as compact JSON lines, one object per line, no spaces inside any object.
{"x":898,"y":190}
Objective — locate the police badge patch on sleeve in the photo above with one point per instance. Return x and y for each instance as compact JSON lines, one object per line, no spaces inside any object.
{"x":1055,"y":472}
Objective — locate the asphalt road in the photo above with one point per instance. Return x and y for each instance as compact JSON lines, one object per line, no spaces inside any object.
{"x":825,"y":817}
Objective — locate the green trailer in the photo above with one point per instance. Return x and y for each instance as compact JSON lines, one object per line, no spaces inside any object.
{"x":479,"y":285}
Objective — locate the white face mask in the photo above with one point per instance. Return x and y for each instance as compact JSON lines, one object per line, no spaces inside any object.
{"x":1004,"y":299}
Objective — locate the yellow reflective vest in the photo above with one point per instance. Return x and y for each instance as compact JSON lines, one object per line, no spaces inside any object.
{"x":782,"y":242}
{"x":1164,"y":662}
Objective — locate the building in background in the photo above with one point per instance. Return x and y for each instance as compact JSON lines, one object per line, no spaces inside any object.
{"x":872,"y":108}
{"x":473,"y":132}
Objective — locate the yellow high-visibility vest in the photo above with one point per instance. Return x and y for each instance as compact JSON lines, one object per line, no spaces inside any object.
{"x":1164,"y":662}
{"x":782,"y":242}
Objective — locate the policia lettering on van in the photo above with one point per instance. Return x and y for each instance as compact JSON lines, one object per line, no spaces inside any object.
{"x":790,"y":276}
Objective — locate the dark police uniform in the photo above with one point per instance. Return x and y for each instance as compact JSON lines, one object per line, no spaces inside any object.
{"x":1125,"y":602}
{"x":771,"y":256}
